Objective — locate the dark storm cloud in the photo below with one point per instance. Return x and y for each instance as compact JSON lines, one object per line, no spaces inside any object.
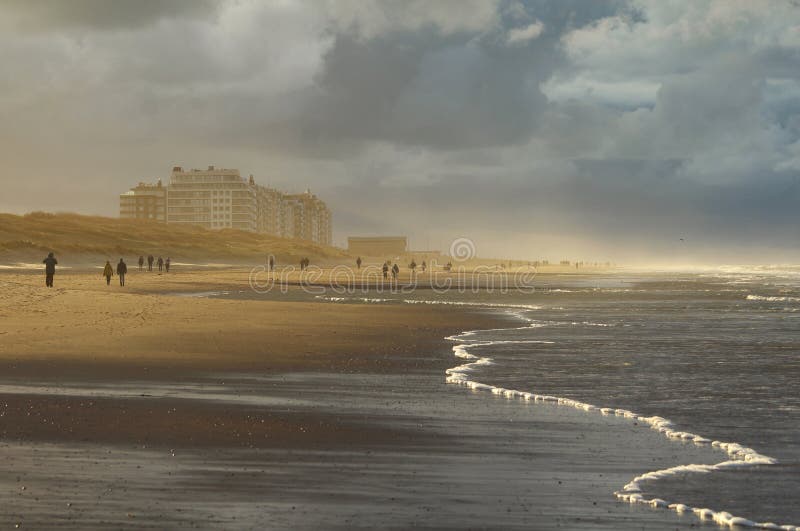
{"x":459,"y":91}
{"x":427,"y":91}
{"x":43,"y":15}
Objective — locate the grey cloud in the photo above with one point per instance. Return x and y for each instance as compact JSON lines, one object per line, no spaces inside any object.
{"x":43,"y":15}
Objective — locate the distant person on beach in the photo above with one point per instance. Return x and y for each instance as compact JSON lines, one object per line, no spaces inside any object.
{"x":150,"y":260}
{"x":413,"y":266}
{"x":49,"y":269}
{"x":167,"y":263}
{"x":424,"y":266}
{"x":160,"y":264}
{"x":385,"y":270}
{"x":395,"y":270}
{"x":271,"y":263}
{"x":122,"y":270}
{"x":108,"y":272}
{"x":141,"y":262}
{"x":358,"y":262}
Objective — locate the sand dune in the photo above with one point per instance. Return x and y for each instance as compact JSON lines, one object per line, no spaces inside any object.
{"x":89,"y":239}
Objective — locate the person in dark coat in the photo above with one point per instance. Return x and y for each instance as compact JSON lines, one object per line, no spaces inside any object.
{"x":108,"y":272}
{"x":49,"y":269}
{"x":150,"y":260}
{"x":385,"y":270}
{"x":141,"y":262}
{"x":395,"y":270}
{"x":358,"y":262}
{"x":160,"y":264}
{"x":122,"y":270}
{"x":271,"y":263}
{"x":167,"y":263}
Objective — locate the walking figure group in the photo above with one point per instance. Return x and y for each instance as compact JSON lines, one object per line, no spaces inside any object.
{"x":108,"y":271}
{"x":162,"y":264}
{"x":122,"y":270}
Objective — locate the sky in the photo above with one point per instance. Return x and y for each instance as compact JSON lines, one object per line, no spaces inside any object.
{"x":633,"y":131}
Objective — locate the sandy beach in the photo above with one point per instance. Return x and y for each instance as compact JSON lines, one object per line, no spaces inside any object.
{"x":83,"y":329}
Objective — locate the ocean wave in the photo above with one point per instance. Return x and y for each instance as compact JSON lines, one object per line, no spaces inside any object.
{"x":738,"y":456}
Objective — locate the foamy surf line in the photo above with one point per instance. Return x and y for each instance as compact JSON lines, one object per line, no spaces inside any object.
{"x":738,"y":456}
{"x":431,"y":302}
{"x":772,"y":299}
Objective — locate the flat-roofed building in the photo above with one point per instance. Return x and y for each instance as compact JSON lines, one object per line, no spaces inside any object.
{"x":215,"y":198}
{"x":384,"y":246}
{"x":144,"y":201}
{"x":219,"y":198}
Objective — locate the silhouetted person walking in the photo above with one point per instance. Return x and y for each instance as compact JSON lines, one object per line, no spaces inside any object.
{"x":395,"y":270}
{"x":272,"y":263}
{"x":150,"y":262}
{"x":122,"y":270}
{"x":49,"y":269}
{"x":108,"y":272}
{"x":141,"y":262}
{"x":385,"y":270}
{"x":166,"y":264}
{"x":358,"y":262}
{"x":160,"y":264}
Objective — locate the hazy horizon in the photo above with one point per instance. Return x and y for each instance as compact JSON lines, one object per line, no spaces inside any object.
{"x":629,"y":131}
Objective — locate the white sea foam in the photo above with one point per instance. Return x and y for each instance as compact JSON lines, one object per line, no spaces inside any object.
{"x":772,"y":299}
{"x":358,"y":299}
{"x":26,"y":266}
{"x":739,"y":456}
{"x":479,"y":304}
{"x":431,"y":302}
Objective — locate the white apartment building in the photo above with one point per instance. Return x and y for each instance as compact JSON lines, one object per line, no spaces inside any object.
{"x":215,"y":198}
{"x":219,"y":198}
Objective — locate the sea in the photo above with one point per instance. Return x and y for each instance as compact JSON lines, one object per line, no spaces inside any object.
{"x":708,"y":360}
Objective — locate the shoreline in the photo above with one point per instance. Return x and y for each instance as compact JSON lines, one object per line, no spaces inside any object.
{"x":736,"y":456}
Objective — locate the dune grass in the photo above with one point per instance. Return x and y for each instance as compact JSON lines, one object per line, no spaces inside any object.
{"x":82,"y":238}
